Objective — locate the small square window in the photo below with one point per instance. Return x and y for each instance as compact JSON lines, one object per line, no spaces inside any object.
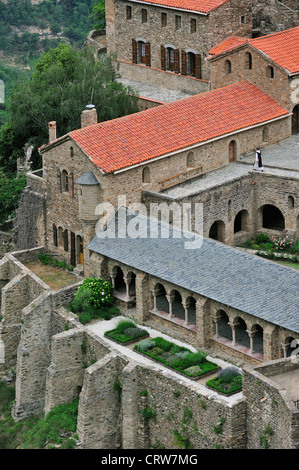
{"x":178,"y":22}
{"x":129,"y":12}
{"x":144,"y":15}
{"x":193,"y":25}
{"x":163,"y":19}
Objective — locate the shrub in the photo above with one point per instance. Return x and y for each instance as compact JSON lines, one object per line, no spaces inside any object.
{"x":228,"y":374}
{"x":124,"y":325}
{"x":134,"y":332}
{"x":193,"y":371}
{"x":100,"y":292}
{"x":262,"y":238}
{"x":145,"y":344}
{"x":163,"y":343}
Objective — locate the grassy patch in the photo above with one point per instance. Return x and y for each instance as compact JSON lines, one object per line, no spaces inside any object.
{"x":125,"y":331}
{"x":36,"y":432}
{"x":53,"y":276}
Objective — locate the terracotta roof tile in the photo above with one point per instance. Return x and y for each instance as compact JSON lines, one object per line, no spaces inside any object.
{"x":202,"y":6}
{"x":282,"y":47}
{"x":136,"y":138}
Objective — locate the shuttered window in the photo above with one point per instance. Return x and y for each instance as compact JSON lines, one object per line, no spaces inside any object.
{"x":163,"y":61}
{"x":134,"y":51}
{"x":55,"y":240}
{"x":58,"y":173}
{"x":184,"y":63}
{"x":147,"y":52}
{"x":66,"y":240}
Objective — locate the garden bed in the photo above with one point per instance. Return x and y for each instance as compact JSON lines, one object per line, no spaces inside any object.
{"x":126,"y":332}
{"x":228,"y":382}
{"x":177,"y":358}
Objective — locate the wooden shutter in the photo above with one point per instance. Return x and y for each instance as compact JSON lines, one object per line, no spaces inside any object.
{"x":55,"y":239}
{"x":71,"y":184}
{"x":148,"y":54}
{"x":73,"y":249}
{"x":184,"y":63}
{"x":198,"y":66}
{"x":177,"y":61}
{"x":66,"y":240}
{"x":134,"y":51}
{"x":58,"y":173}
{"x":163,"y":61}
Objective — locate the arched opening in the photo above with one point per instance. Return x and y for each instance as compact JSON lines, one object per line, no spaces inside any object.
{"x":248,"y":61}
{"x":190,"y":160}
{"x":65,"y":181}
{"x":241,"y":221}
{"x":227,"y":67}
{"x":224,"y":329}
{"x":191,"y":306}
{"x":295,"y":120}
{"x":132,"y":285}
{"x":146,"y":175}
{"x":191,"y":64}
{"x":242,"y":337}
{"x":232,"y":155}
{"x":217,"y":231}
{"x":258,"y":342}
{"x":162,"y":304}
{"x":119,"y":283}
{"x":273,"y":218}
{"x":291,"y":202}
{"x":178,"y":310}
{"x":79,"y":250}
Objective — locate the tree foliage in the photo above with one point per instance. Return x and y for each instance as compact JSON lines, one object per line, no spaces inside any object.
{"x":64,"y":81}
{"x":11,"y":189}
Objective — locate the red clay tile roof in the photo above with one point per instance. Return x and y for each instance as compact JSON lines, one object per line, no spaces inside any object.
{"x":136,"y":138}
{"x":282,"y":47}
{"x":228,"y":44}
{"x":201,"y":6}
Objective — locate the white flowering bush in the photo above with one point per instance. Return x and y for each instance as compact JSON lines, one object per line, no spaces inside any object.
{"x":99,"y":292}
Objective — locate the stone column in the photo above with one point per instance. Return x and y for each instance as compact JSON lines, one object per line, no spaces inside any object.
{"x":233,"y":327}
{"x":142,"y":297}
{"x":186,"y":306}
{"x":170,"y":299}
{"x":127,"y":280}
{"x":216,"y":317}
{"x":251,"y":335}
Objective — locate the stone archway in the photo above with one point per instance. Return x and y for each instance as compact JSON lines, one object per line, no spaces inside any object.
{"x":217,"y":231}
{"x":272,"y":218}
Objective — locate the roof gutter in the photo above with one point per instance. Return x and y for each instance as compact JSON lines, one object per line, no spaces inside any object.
{"x":200,"y":144}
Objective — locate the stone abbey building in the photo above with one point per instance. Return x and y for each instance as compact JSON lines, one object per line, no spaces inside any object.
{"x":195,"y":152}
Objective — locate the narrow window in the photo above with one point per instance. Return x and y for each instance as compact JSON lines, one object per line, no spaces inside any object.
{"x":242,"y":19}
{"x":190,"y":160}
{"x":144,"y":15}
{"x":146,"y":177}
{"x":163,"y":19}
{"x":227,"y":67}
{"x":178,"y":22}
{"x":193,"y":25}
{"x":270,"y":71}
{"x":128,"y":12}
{"x":266,"y":134}
{"x":71,"y":152}
{"x":65,"y":181}
{"x":248,"y":61}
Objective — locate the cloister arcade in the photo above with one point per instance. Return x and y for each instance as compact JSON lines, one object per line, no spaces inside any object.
{"x":182,"y":310}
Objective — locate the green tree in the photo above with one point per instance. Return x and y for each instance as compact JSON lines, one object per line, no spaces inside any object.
{"x":11,"y":189}
{"x":65,"y":80}
{"x":98,"y":12}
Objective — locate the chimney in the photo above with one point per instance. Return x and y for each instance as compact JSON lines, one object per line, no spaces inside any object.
{"x":89,"y":116}
{"x":52,"y":131}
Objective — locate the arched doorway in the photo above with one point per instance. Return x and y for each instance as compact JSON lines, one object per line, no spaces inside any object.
{"x":240,"y":223}
{"x":178,"y":310}
{"x":232,"y":151}
{"x":242,"y":337}
{"x":162,"y":304}
{"x":217,"y":231}
{"x":295,"y":120}
{"x":224,"y":329}
{"x":273,"y":218}
{"x":119,"y":282}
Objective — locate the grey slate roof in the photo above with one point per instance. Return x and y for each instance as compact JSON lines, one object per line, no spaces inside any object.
{"x":88,"y":179}
{"x":217,"y":271}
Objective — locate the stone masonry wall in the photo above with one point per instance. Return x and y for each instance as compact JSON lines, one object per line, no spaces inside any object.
{"x":210,"y":29}
{"x":279,"y":87}
{"x":270,"y":16}
{"x":272,"y":419}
